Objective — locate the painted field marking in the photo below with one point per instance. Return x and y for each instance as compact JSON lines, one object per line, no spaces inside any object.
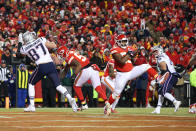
{"x":5,"y":117}
{"x":99,"y":121}
{"x":88,"y":126}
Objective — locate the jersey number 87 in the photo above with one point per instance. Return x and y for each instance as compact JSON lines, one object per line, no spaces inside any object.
{"x":33,"y":52}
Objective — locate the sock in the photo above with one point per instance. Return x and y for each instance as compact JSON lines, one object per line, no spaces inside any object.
{"x":160,"y":100}
{"x":170,"y":97}
{"x":78,"y":91}
{"x":152,"y":72}
{"x":115,"y":103}
{"x":112,"y":99}
{"x":101,"y":93}
{"x":64,"y":91}
{"x":31,"y":94}
{"x":83,"y":102}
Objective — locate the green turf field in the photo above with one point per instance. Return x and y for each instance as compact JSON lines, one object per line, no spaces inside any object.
{"x":130,"y":111}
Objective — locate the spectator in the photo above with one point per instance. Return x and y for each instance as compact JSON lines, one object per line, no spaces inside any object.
{"x":141,"y":85}
{"x":12,"y":88}
{"x":97,"y":60}
{"x":172,"y":54}
{"x":6,"y":56}
{"x":68,"y":82}
{"x":4,"y":76}
{"x":48,"y":92}
{"x":87,"y":90}
{"x":183,"y":58}
{"x":22,"y":84}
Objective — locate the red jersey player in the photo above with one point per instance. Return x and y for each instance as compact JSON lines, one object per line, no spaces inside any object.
{"x":84,"y":71}
{"x":122,"y":54}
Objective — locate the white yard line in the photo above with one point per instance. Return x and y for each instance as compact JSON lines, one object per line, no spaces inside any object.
{"x":5,"y":117}
{"x":102,"y":127}
{"x":97,"y":121}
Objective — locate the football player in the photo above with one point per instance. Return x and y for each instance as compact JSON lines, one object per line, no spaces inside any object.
{"x":37,"y":50}
{"x":122,"y":55}
{"x":167,"y":78}
{"x":83,"y":70}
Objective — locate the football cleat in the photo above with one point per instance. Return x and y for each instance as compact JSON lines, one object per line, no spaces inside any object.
{"x":73,"y":104}
{"x":84,"y":107}
{"x":30,"y":108}
{"x":177,"y":105}
{"x":107,"y":109}
{"x":157,"y":110}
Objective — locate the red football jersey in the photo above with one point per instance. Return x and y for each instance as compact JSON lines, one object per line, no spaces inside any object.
{"x":71,"y":55}
{"x":119,"y":67}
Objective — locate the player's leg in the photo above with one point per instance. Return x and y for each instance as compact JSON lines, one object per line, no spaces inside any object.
{"x":81,"y":78}
{"x":113,"y":106}
{"x":53,"y":75}
{"x":109,"y":83}
{"x":159,"y":104}
{"x":120,"y":82}
{"x":95,"y":79}
{"x":139,"y":70}
{"x":166,"y":91}
{"x":35,"y":77}
{"x":167,"y":87}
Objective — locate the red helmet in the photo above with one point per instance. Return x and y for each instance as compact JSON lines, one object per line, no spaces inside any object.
{"x":122,"y":41}
{"x":62,"y":51}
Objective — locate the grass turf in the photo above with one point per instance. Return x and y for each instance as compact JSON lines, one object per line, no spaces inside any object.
{"x":122,"y":111}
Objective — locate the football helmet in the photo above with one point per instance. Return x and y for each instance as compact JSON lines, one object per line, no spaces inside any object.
{"x":122,"y":41}
{"x":62,"y":52}
{"x":29,"y":37}
{"x":157,"y":51}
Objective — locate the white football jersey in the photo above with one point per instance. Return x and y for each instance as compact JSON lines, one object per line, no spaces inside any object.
{"x":37,"y":51}
{"x":166,"y":59}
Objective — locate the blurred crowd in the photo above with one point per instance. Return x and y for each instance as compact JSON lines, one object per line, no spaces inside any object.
{"x":90,"y":27}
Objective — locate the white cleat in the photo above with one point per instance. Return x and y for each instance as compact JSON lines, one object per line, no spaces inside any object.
{"x":84,"y":107}
{"x":177,"y":105}
{"x":73,"y":104}
{"x":107,"y":109}
{"x":156,"y":111}
{"x":30,"y":108}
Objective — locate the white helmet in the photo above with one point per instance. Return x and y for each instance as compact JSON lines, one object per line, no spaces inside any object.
{"x":29,"y":37}
{"x":158,"y":49}
{"x":122,"y":41}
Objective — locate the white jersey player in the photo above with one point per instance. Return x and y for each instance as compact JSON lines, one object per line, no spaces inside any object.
{"x":166,"y":80}
{"x":37,"y":50}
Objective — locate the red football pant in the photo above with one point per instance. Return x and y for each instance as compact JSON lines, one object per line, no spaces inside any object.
{"x":101,"y":93}
{"x":79,"y":93}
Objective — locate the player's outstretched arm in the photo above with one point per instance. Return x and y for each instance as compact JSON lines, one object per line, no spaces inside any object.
{"x":18,"y":53}
{"x":121,"y":59}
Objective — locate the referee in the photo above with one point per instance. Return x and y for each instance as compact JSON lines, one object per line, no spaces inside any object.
{"x":4,"y":75}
